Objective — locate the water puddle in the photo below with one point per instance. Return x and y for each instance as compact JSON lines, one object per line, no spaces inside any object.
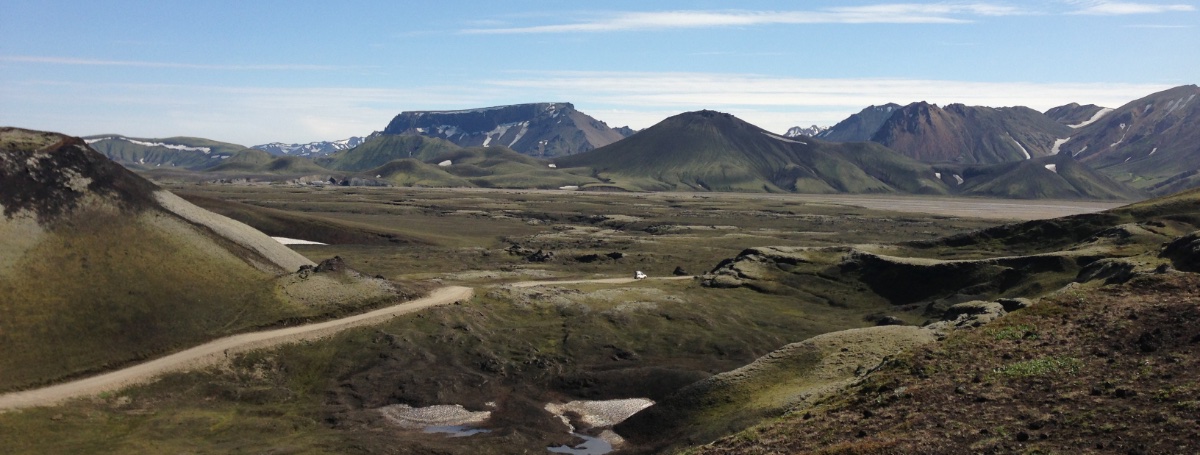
{"x":591,"y":446}
{"x":596,"y":415}
{"x":456,"y":431}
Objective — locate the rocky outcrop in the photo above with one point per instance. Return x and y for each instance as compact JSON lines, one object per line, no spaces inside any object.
{"x":1184,"y":252}
{"x":49,"y":175}
{"x":752,"y":264}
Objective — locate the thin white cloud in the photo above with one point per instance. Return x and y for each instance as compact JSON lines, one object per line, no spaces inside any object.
{"x":171,"y":65}
{"x":771,"y":101}
{"x":938,"y":13}
{"x":1107,"y":8}
{"x":256,"y":115}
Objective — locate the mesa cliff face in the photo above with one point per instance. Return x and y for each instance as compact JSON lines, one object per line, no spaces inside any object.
{"x":536,"y":129}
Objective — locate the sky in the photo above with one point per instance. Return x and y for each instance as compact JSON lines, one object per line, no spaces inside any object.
{"x":254,"y":72}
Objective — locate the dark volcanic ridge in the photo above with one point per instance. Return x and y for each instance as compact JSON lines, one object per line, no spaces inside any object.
{"x":50,"y":174}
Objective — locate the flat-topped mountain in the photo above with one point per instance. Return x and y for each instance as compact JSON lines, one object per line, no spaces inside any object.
{"x":714,"y":151}
{"x":537,"y":129}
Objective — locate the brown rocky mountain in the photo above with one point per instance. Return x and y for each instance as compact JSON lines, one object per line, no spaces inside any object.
{"x":536,"y":129}
{"x":969,"y":134}
{"x":1152,"y":142}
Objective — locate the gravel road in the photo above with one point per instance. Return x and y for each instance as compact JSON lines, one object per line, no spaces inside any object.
{"x":217,"y":351}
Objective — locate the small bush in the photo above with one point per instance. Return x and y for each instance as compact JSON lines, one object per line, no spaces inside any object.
{"x":1015,"y":332}
{"x":1044,"y":366}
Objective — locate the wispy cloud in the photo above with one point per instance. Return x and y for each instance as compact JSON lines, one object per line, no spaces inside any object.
{"x":169,"y":65}
{"x":938,"y":13}
{"x":255,"y":115}
{"x":1107,"y":8}
{"x":771,"y":101}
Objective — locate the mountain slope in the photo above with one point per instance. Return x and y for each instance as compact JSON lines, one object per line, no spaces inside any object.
{"x":969,"y":134}
{"x":1074,"y":115}
{"x":1050,"y":177}
{"x":254,"y":161}
{"x":99,"y":267}
{"x":500,"y":167}
{"x":186,"y":152}
{"x":859,"y":127}
{"x":538,"y":129}
{"x":713,"y":151}
{"x":1151,"y":141}
{"x":383,"y":148}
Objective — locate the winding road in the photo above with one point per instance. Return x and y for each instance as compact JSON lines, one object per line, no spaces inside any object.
{"x":217,"y":351}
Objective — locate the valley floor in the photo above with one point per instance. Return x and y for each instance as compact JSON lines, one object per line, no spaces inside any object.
{"x":511,"y":349}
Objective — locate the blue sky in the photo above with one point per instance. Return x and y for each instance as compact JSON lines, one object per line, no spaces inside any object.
{"x":297,"y":71}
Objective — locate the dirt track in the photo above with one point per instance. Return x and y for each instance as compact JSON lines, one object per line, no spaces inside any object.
{"x":529,"y":284}
{"x":218,"y":351}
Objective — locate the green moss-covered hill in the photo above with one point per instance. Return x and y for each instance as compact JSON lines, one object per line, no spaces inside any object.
{"x":99,"y":267}
{"x":713,"y":151}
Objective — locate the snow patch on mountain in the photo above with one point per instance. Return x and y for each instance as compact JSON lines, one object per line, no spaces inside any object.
{"x":204,"y":150}
{"x":784,"y":139}
{"x":1022,"y":147}
{"x":311,"y":149}
{"x":1100,"y":113}
{"x":811,"y":131}
{"x":1058,"y":143}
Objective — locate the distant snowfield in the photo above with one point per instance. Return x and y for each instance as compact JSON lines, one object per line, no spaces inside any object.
{"x":287,"y":241}
{"x":204,"y":150}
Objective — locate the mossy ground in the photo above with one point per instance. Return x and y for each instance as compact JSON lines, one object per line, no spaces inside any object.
{"x":1100,"y":370}
{"x":520,"y":348}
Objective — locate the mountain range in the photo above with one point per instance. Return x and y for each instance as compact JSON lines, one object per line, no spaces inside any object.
{"x":714,"y":151}
{"x":311,"y":149}
{"x":1149,"y":145}
{"x":811,"y":131}
{"x":1152,"y":142}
